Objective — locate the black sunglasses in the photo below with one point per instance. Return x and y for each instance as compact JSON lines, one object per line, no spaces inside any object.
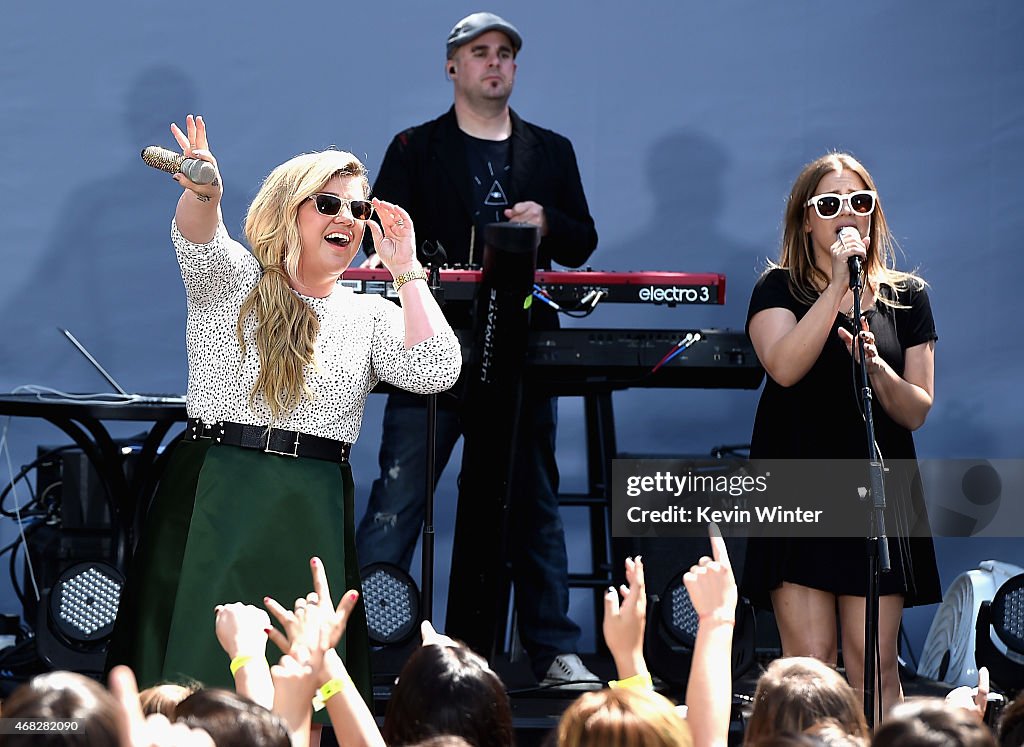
{"x":328,"y":204}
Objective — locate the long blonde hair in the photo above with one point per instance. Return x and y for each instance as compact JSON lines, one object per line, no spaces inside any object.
{"x":797,"y":255}
{"x":286,"y":327}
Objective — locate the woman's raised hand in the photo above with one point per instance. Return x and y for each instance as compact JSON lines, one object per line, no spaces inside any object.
{"x":875,"y":362}
{"x":194,"y":144}
{"x":314,"y":625}
{"x":394,"y":239}
{"x":847,"y":246}
{"x":241,"y":629}
{"x":711,"y":584}
{"x":624,"y":623}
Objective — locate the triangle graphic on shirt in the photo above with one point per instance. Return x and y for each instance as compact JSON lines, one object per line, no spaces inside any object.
{"x":496,"y":195}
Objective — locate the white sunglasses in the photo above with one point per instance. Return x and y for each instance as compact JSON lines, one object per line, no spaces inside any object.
{"x":829,"y":205}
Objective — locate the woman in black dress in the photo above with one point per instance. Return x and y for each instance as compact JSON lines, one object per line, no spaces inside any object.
{"x":801,"y":327}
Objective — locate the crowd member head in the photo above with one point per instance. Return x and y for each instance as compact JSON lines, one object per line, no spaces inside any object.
{"x":63,"y":695}
{"x":930,"y":722}
{"x":306,"y":224}
{"x":445,"y":740}
{"x":1011,"y":724}
{"x":833,"y":192}
{"x":796,"y":693}
{"x":448,"y":689}
{"x":232,"y":720}
{"x":828,"y":733}
{"x":482,"y":48}
{"x":624,"y":717}
{"x":163,"y":699}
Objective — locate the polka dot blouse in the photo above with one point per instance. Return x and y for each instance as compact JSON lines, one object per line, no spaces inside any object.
{"x":361,"y":342}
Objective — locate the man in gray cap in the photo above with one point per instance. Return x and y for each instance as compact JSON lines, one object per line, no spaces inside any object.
{"x":480,"y":163}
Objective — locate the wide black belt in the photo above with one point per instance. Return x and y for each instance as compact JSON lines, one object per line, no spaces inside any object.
{"x":269,"y":440}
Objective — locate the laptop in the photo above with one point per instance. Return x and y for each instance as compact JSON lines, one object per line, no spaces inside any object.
{"x":165,"y":399}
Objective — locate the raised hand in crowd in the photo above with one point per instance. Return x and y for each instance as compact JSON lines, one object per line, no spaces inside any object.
{"x":430,"y":637}
{"x":137,"y":730}
{"x":925,"y":722}
{"x":625,"y":622}
{"x":242,"y":632}
{"x":712,"y":589}
{"x":311,"y":667}
{"x":972,"y":699}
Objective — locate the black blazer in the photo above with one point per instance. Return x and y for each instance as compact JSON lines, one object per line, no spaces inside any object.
{"x":425,"y":171}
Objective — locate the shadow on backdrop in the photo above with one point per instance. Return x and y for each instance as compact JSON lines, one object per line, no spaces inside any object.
{"x":108,"y":270}
{"x":686,"y":172}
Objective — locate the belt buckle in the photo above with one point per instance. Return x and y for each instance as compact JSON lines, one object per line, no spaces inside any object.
{"x":293,"y":453}
{"x":199,"y":433}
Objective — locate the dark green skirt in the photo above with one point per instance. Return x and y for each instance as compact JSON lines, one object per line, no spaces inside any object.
{"x":233,"y":525}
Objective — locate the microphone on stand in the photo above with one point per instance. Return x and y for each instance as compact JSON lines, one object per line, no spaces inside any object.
{"x":199,"y":171}
{"x":849,"y":232}
{"x":434,"y":254}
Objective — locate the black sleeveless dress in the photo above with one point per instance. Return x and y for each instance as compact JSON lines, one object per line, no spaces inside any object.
{"x":819,"y":418}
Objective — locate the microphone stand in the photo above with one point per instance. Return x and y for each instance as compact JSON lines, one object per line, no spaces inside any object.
{"x":878,"y":543}
{"x":435,"y":258}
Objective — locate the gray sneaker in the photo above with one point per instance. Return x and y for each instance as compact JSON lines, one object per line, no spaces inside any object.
{"x":567,"y":672}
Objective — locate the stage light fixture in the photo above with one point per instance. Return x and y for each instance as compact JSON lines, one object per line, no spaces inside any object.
{"x":1003,"y":616}
{"x":77,"y":617}
{"x":948,"y":652}
{"x":678,"y":615}
{"x":84,"y":601}
{"x":669,"y":641}
{"x":392,"y":603}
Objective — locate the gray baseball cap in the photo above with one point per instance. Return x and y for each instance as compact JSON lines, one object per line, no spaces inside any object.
{"x":472,"y":26}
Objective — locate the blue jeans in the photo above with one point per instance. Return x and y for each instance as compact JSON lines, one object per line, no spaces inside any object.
{"x":540,"y":570}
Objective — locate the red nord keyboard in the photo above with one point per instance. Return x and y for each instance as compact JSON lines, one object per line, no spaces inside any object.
{"x":571,"y":287}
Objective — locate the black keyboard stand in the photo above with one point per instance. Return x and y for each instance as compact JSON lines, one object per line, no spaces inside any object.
{"x":601,"y":450}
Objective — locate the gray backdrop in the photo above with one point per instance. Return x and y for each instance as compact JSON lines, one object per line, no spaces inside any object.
{"x":690,"y":121}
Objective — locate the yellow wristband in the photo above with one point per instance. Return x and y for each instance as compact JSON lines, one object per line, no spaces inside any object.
{"x":637,"y":681}
{"x":240,"y":661}
{"x":405,"y":277}
{"x":328,"y":690}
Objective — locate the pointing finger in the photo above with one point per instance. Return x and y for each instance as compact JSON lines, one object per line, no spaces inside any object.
{"x":718,"y":549}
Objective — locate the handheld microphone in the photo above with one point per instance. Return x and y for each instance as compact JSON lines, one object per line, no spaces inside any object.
{"x":199,"y":171}
{"x":849,"y":232}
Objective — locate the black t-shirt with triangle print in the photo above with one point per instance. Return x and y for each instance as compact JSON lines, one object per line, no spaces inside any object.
{"x":490,"y":173}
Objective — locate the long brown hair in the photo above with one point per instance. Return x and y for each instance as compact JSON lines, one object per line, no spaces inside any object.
{"x":797,"y":254}
{"x":925,"y":722}
{"x":448,"y":690}
{"x":795,"y":693}
{"x":285,"y":327}
{"x":59,"y":696}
